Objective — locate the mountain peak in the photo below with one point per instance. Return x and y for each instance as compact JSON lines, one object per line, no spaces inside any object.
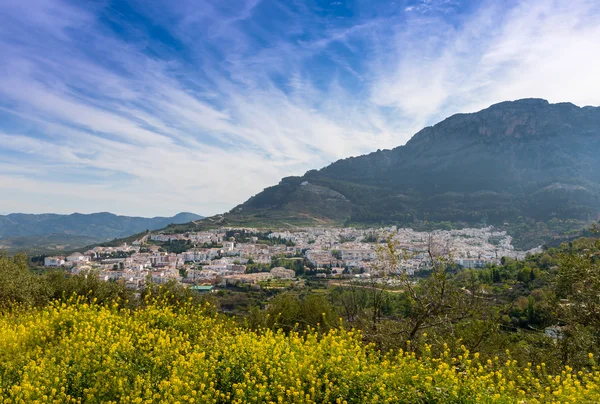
{"x":520,"y":103}
{"x":506,"y":121}
{"x":526,"y":157}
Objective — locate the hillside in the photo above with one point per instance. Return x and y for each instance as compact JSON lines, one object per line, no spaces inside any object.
{"x":527,"y":164}
{"x":53,"y":231}
{"x":525,"y":158}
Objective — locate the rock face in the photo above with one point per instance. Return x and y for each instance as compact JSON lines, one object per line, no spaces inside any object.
{"x":524,"y":158}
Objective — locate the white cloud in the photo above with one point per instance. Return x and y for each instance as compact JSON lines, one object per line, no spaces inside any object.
{"x":113,"y":126}
{"x":542,"y":49}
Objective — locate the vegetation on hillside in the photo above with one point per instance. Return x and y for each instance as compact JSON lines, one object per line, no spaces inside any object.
{"x":519,"y":331}
{"x":52,"y":233}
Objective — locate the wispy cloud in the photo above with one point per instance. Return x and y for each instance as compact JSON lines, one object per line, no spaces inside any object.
{"x":156,"y":107}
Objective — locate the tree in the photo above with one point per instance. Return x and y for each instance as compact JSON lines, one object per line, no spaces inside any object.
{"x":19,"y":285}
{"x":439,"y":304}
{"x":183,"y":272}
{"x":289,"y":312}
{"x":579,"y":281}
{"x":354,"y":300}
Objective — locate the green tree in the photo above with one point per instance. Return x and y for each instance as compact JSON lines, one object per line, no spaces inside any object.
{"x":19,"y":285}
{"x":290,"y":312}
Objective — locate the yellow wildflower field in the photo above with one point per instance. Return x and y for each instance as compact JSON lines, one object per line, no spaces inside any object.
{"x":78,"y":352}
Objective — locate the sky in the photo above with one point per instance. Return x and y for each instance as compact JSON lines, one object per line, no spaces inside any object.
{"x":152,"y":107}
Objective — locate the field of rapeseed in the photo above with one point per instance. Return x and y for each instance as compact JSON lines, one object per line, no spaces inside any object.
{"x":80,"y":352}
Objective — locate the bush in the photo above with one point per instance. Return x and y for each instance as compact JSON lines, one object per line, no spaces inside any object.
{"x":19,"y":285}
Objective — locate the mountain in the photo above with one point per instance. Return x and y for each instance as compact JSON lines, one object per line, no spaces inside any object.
{"x":22,"y":231}
{"x":520,"y":159}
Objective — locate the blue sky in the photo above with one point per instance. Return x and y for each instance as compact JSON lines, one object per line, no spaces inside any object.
{"x":151,"y":107}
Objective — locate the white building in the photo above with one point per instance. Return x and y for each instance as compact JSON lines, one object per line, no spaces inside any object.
{"x":472,"y":262}
{"x":283,"y":273}
{"x":54,"y":261}
{"x":77,"y":258}
{"x":352,"y":255}
{"x":319,"y":258}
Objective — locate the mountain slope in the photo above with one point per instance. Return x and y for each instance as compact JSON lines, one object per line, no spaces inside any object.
{"x":524,"y":158}
{"x":23,"y":230}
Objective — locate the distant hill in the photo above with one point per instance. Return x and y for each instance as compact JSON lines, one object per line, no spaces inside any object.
{"x":514,"y":161}
{"x":53,"y":231}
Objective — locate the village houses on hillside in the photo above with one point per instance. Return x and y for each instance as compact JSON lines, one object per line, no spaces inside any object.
{"x":230,"y":256}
